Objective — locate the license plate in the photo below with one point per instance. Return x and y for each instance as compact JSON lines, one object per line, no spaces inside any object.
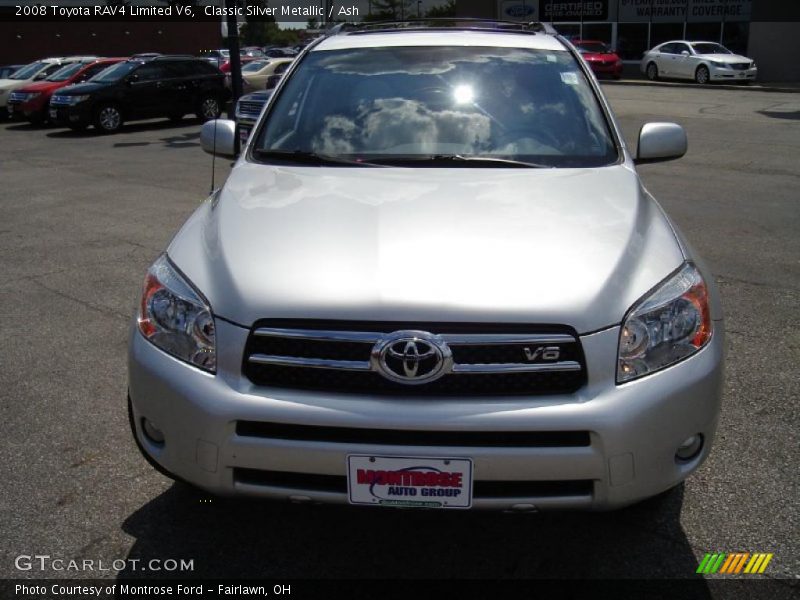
{"x":53,"y":113}
{"x":421,"y":482}
{"x":244,"y":133}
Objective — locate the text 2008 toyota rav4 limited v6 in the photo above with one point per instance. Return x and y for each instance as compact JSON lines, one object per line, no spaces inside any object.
{"x":433,"y":278}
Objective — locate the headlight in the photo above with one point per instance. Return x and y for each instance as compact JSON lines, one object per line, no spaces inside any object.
{"x":77,"y":99}
{"x":666,"y":326}
{"x":753,"y":65}
{"x":176,"y":318}
{"x":719,"y":65}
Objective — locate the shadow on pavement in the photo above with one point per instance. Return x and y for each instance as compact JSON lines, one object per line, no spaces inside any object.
{"x":128,"y":128}
{"x":252,"y":539}
{"x":793,"y":115}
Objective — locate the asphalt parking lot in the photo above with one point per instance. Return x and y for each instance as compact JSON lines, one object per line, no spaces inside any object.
{"x":83,"y":216}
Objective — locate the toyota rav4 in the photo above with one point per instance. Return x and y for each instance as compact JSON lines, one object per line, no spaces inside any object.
{"x":434,"y":279}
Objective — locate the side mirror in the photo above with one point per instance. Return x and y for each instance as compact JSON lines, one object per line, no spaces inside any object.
{"x":659,"y":142}
{"x":685,"y":53}
{"x":219,"y":137}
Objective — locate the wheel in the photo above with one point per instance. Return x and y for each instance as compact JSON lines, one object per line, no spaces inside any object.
{"x":652,"y":71}
{"x":108,"y":118}
{"x":701,"y":75}
{"x":209,"y":108}
{"x":176,"y":118}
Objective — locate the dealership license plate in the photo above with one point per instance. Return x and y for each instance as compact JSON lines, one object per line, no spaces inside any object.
{"x":422,"y":482}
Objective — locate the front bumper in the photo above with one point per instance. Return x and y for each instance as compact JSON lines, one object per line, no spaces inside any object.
{"x":718,"y":74}
{"x":606,"y":68}
{"x":633,"y":429}
{"x":76,"y":114}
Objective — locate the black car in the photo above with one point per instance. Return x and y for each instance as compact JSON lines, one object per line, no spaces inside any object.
{"x":164,"y":86}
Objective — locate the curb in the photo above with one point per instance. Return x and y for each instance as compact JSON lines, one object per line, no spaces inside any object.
{"x":713,"y":86}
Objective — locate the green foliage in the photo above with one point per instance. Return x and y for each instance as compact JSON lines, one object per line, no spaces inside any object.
{"x":448,"y":9}
{"x":266,"y":33}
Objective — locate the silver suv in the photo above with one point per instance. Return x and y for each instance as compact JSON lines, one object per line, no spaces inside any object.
{"x":433,"y":278}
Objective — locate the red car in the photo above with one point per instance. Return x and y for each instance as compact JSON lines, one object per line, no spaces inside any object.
{"x":32,"y":101}
{"x":226,"y":66}
{"x":600,"y":57}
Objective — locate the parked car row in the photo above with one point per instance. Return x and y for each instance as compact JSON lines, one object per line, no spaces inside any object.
{"x":106,"y":92}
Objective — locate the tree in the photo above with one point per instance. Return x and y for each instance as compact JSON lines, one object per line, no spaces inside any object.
{"x":448,"y":9}
{"x":392,"y":9}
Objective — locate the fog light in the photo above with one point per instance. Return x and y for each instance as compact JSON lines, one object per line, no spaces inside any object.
{"x":690,"y":447}
{"x":153,"y":433}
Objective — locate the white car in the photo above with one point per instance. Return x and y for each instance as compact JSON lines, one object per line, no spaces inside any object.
{"x":703,"y":62}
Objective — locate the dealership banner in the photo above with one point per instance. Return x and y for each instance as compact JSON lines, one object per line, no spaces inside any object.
{"x":671,"y":11}
{"x":625,"y":11}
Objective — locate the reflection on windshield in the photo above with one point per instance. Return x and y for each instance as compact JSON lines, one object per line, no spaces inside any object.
{"x":29,"y":71}
{"x":66,"y":72}
{"x":404,"y":102}
{"x":115,"y":73}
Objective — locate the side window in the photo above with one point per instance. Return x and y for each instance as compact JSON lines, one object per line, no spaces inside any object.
{"x":667,"y":49}
{"x":182,"y":68}
{"x":679,"y":48}
{"x":152,"y":72}
{"x":93,"y":70}
{"x":48,"y":71}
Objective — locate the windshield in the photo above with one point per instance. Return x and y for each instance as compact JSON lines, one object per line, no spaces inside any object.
{"x":29,"y":71}
{"x":66,"y":72}
{"x":709,"y":48}
{"x":430,"y":103}
{"x":596,"y":47}
{"x":254,"y":66}
{"x":116,"y":72}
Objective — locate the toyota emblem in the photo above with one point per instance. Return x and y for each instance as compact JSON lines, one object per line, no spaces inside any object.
{"x":411,"y":357}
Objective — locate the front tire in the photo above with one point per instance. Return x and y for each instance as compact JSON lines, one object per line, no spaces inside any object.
{"x":108,"y":118}
{"x":702,"y":75}
{"x":209,"y":108}
{"x":652,"y":71}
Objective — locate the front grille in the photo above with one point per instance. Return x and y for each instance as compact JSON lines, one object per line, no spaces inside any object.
{"x":406,"y":437}
{"x":740,"y":66}
{"x":337,"y":484}
{"x":17,"y":97}
{"x":60,"y":100}
{"x":250,"y":109}
{"x":337,"y":356}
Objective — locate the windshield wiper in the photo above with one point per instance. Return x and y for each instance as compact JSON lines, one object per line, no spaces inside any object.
{"x":309,"y":158}
{"x":460,"y":158}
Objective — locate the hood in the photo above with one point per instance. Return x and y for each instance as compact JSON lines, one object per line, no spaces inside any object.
{"x":83,"y":88}
{"x":724,"y":58}
{"x":551,"y":246}
{"x":13,"y":84}
{"x":44,"y":86}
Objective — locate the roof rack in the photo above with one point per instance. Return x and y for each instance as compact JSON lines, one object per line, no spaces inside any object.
{"x":460,"y":23}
